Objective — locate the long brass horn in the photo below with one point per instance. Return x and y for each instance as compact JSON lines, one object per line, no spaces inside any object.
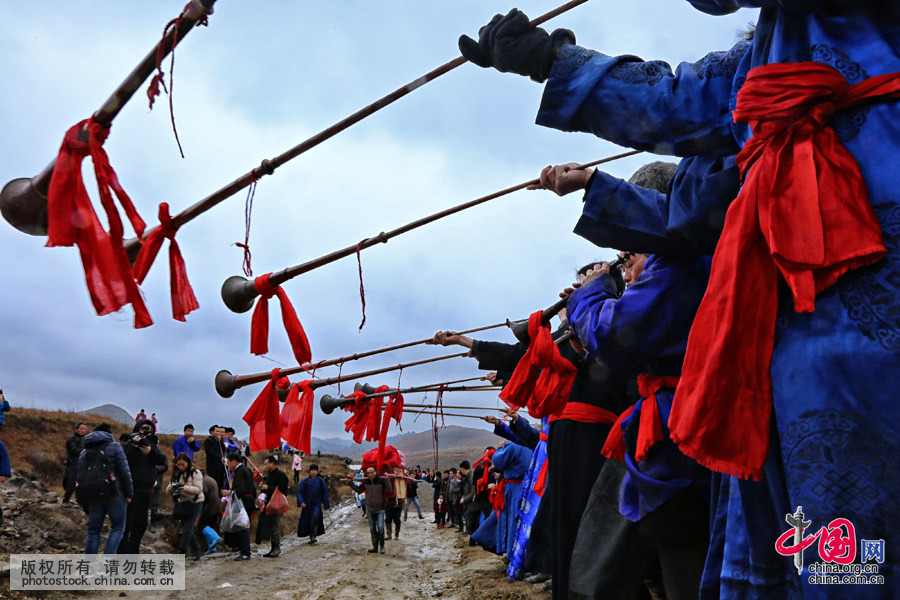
{"x":238,"y":292}
{"x":268,"y":165}
{"x":23,"y":201}
{"x":226,"y":383}
{"x":520,"y":328}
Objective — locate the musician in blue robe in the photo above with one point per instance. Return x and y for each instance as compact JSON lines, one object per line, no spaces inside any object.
{"x":513,"y":461}
{"x":833,"y":416}
{"x":521,"y":557}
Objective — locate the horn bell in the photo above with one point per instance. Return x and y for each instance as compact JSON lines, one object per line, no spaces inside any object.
{"x":238,"y":294}
{"x":24,"y":206}
{"x":225,"y":384}
{"x":282,"y":393}
{"x":329,"y":404}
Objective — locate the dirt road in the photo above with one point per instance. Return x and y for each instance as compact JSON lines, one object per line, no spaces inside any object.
{"x":424,"y":563}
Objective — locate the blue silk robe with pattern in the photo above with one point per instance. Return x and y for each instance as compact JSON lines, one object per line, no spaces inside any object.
{"x":835,"y":434}
{"x":528,"y":502}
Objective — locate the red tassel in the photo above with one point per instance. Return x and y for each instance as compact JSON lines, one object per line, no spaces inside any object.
{"x":297,"y":415}
{"x":71,"y":220}
{"x":259,"y":327}
{"x":183,"y":300}
{"x":263,"y":417}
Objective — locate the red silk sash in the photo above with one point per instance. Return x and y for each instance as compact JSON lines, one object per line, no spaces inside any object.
{"x":497,"y":495}
{"x":482,"y":482}
{"x":542,"y":379}
{"x":183,"y":300}
{"x":297,"y":415}
{"x":360,"y":416}
{"x":650,"y":427}
{"x":259,"y":326}
{"x":803,"y":212}
{"x":72,"y":221}
{"x":393,"y":410}
{"x":574,"y":411}
{"x":263,"y":416}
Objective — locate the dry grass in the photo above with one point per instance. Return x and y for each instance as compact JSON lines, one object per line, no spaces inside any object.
{"x":36,"y":441}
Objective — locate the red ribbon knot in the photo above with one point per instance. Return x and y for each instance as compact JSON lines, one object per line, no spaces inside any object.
{"x":183,"y":299}
{"x":542,"y":379}
{"x":259,"y":328}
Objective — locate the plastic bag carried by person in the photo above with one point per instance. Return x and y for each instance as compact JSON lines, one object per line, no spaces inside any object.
{"x":235,"y":517}
{"x":278,"y":505}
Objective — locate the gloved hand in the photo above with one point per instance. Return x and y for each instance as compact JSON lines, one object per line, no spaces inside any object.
{"x":510,"y":45}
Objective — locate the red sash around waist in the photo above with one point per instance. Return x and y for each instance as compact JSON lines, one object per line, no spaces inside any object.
{"x":650,"y":428}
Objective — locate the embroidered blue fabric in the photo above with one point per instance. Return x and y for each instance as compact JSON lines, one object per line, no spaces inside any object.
{"x":835,"y":416}
{"x":528,"y":504}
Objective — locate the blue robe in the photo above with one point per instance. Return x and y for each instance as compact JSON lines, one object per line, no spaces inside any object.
{"x":834,"y":419}
{"x":513,"y":461}
{"x":645,"y":331}
{"x":528,"y":502}
{"x":313,"y":492}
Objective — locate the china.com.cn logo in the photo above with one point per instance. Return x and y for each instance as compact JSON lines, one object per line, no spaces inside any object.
{"x":837,"y":551}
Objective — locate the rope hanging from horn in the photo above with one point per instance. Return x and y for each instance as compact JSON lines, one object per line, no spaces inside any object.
{"x":159,"y":78}
{"x":245,"y":180}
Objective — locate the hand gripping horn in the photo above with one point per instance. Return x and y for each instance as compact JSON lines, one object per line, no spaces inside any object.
{"x":23,"y":201}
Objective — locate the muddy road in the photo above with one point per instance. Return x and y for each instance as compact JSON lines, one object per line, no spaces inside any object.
{"x":424,"y":563}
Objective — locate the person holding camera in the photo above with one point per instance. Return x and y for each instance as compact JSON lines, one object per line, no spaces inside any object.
{"x":187,"y":494}
{"x":144,"y":456}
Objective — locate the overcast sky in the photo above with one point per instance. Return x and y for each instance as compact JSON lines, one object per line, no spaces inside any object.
{"x":261,"y":78}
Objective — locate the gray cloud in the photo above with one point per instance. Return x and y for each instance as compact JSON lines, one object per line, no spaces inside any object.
{"x":262,"y":77}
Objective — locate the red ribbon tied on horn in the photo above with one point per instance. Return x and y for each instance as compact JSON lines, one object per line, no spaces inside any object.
{"x":72,"y":221}
{"x":183,"y":300}
{"x":542,"y":379}
{"x":482,"y":482}
{"x":804,"y":213}
{"x":393,"y":410}
{"x":259,"y":327}
{"x":297,"y":416}
{"x":359,"y":418}
{"x":263,"y":416}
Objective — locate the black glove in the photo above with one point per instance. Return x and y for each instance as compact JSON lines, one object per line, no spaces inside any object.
{"x":510,"y":45}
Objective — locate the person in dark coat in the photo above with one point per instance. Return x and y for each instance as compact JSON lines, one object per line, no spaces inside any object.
{"x":144,"y":456}
{"x":215,"y":452}
{"x":377,"y":488}
{"x":74,"y":446}
{"x":312,"y":497}
{"x":244,"y":488}
{"x":271,"y":524}
{"x":101,"y":439}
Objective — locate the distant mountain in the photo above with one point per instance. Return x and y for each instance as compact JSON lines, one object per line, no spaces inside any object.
{"x":328,"y":445}
{"x":454,"y":444}
{"x":111,"y":411}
